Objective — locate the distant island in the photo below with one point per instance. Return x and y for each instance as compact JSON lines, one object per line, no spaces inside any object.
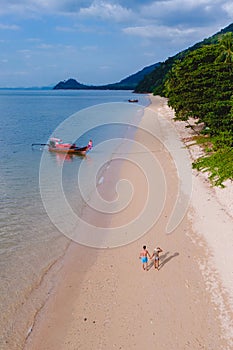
{"x":128,"y":83}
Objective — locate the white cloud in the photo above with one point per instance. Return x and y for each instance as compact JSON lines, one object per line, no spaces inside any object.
{"x":35,"y":7}
{"x":55,"y":47}
{"x":33,"y":40}
{"x":78,"y":28}
{"x":189,"y":12}
{"x":9,"y":27}
{"x":105,"y":67}
{"x":144,"y":12}
{"x":65,"y":29}
{"x":45,"y":46}
{"x":25,"y":51}
{"x":158,"y":7}
{"x":168,"y":39}
{"x":105,"y":10}
{"x":228,"y":7}
{"x":89,"y":48}
{"x":151,"y":31}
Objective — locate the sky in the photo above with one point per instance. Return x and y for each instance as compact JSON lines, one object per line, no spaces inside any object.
{"x":98,"y":41}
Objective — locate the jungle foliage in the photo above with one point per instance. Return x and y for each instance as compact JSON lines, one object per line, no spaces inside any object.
{"x":154,"y":81}
{"x":200,"y":86}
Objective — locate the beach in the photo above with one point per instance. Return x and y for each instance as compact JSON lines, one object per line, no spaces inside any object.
{"x":103,"y":299}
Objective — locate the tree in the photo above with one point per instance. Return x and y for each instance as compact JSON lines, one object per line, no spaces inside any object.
{"x":201,"y":86}
{"x":226,"y":47}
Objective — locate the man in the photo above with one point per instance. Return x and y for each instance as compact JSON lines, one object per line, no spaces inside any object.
{"x":144,"y":258}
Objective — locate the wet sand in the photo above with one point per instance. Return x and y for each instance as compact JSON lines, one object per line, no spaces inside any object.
{"x":103,"y":299}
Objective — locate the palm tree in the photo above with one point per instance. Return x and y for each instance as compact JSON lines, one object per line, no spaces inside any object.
{"x":226,"y":46}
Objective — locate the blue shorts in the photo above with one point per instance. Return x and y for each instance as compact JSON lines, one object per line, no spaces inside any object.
{"x":144,"y":259}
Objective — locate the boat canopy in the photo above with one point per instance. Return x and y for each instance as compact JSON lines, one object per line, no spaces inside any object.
{"x":55,"y":139}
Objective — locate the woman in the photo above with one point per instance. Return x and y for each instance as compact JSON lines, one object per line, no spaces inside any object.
{"x":156,"y":253}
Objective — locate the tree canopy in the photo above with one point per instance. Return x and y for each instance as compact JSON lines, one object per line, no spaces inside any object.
{"x":200,"y":86}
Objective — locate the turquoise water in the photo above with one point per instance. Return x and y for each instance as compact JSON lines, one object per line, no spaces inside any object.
{"x":29,"y":242}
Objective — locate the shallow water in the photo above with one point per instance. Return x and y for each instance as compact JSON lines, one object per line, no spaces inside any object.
{"x":29,"y":242}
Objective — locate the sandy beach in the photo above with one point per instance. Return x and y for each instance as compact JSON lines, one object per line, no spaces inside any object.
{"x":103,"y":299}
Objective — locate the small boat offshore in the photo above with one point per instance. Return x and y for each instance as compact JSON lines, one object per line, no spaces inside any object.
{"x":57,"y":145}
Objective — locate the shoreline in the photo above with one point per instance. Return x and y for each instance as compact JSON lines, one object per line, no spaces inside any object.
{"x":102,"y":298}
{"x":211,"y":217}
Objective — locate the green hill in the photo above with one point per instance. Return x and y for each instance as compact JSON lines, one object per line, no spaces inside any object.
{"x":128,"y":83}
{"x":154,"y":81}
{"x":70,"y":84}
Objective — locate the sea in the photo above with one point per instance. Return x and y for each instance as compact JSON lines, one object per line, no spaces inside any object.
{"x":30,"y":242}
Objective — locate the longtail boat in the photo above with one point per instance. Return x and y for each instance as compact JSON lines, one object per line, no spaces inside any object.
{"x":56,"y":145}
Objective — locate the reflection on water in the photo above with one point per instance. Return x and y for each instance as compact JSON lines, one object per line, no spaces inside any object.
{"x":61,"y":157}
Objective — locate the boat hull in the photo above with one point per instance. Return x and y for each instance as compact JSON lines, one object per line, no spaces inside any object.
{"x":78,"y":151}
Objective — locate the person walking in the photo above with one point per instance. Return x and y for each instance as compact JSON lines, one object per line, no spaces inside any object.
{"x":155,"y":255}
{"x":144,"y":258}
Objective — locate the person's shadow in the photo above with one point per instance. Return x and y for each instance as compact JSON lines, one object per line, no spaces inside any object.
{"x":163,"y":259}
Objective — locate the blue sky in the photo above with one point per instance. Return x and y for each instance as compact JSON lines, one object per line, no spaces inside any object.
{"x":98,"y":41}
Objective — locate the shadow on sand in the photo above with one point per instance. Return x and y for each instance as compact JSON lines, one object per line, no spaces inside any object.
{"x":164,"y":259}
